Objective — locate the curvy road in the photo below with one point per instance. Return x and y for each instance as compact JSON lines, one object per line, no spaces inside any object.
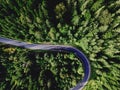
{"x":46,"y":47}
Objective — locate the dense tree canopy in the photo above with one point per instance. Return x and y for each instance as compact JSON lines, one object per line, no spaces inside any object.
{"x":92,"y":26}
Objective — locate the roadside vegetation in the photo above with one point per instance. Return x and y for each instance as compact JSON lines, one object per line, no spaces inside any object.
{"x":93,"y":26}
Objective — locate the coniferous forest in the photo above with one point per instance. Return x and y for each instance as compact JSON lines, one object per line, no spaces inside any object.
{"x":93,"y":26}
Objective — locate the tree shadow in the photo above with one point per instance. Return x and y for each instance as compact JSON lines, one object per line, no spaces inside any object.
{"x":3,"y":73}
{"x":49,"y":80}
{"x":51,"y":4}
{"x":45,"y":76}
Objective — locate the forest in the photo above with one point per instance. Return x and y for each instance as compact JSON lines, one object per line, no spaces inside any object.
{"x":92,"y":26}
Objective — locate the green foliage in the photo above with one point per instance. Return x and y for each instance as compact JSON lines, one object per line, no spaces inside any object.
{"x":60,"y":10}
{"x":105,"y":18}
{"x":91,"y":26}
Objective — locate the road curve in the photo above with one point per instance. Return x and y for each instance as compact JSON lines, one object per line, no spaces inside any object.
{"x":47,"y":47}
